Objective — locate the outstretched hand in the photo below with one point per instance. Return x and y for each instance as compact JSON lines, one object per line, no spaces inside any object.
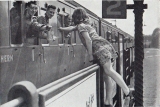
{"x":46,"y":27}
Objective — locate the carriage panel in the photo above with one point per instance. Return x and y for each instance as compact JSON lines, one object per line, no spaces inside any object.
{"x":12,"y":68}
{"x":32,"y":62}
{"x":4,"y":24}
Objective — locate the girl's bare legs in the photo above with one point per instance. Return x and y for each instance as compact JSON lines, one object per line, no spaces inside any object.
{"x":108,"y":69}
{"x":110,"y":85}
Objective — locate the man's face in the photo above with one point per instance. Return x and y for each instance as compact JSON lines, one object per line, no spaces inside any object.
{"x":69,"y":20}
{"x":50,"y":12}
{"x":32,"y":9}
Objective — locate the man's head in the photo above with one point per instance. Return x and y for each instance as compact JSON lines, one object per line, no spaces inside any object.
{"x":68,"y":20}
{"x":32,"y":7}
{"x":50,"y":11}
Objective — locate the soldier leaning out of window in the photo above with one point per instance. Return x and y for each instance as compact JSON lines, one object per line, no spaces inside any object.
{"x":31,"y":26}
{"x":50,"y":11}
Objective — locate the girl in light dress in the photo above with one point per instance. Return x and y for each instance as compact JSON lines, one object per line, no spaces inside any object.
{"x":98,"y":48}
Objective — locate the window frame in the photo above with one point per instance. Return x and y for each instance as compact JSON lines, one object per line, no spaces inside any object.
{"x":10,"y":40}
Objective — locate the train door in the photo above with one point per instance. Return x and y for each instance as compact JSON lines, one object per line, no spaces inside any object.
{"x":79,"y":54}
{"x":31,"y":51}
{"x":55,"y":55}
{"x":12,"y":65}
{"x":103,"y":30}
{"x":120,"y":66}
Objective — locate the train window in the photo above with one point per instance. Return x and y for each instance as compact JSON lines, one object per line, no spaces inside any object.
{"x":60,"y":23}
{"x":22,"y":18}
{"x":31,"y":28}
{"x":108,"y":33}
{"x":66,"y":37}
{"x":103,"y":32}
{"x":116,"y":38}
{"x":15,"y":22}
{"x":69,"y":37}
{"x":45,"y":17}
{"x":95,"y":26}
{"x":113,"y":36}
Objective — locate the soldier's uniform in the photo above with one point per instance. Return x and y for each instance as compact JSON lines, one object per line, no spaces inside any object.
{"x":43,"y":20}
{"x":32,"y":29}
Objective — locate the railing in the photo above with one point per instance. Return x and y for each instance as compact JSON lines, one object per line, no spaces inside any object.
{"x":25,"y":93}
{"x":128,"y":65}
{"x":47,"y":92}
{"x":13,"y":103}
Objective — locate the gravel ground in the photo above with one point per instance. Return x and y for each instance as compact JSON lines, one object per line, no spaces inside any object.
{"x":151,"y":78}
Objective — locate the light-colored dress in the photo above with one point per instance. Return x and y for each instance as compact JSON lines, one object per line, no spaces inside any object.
{"x":103,"y":51}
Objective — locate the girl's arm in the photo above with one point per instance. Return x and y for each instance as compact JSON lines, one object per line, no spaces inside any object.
{"x":88,"y":44}
{"x":68,"y":29}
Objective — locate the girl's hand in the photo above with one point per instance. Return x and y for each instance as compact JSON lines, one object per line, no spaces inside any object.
{"x":60,"y":28}
{"x":90,"y":58}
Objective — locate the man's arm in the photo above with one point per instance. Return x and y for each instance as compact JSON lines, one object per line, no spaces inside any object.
{"x":41,"y":20}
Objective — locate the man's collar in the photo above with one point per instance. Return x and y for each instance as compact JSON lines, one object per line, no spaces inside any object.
{"x":46,"y":16}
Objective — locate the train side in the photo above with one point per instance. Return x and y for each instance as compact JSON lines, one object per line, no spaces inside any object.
{"x":44,"y":63}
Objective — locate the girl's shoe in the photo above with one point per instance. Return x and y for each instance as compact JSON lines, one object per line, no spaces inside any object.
{"x":131,"y":95}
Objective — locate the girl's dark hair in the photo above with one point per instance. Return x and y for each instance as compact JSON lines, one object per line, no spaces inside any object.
{"x":79,"y":15}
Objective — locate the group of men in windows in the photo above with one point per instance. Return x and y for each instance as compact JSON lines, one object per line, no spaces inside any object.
{"x":29,"y":25}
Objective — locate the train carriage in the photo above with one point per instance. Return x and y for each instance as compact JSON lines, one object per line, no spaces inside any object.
{"x":44,"y":62}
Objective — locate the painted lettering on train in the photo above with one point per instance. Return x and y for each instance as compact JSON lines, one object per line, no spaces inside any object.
{"x":6,"y":58}
{"x":90,"y":102}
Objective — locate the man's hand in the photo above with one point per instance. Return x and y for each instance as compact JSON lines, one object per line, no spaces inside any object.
{"x":46,"y":27}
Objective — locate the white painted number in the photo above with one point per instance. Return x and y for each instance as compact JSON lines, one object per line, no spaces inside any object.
{"x":111,"y":7}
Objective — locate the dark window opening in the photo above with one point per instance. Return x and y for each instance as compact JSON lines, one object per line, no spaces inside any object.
{"x":66,"y":37}
{"x":108,"y":34}
{"x":15,"y":22}
{"x":113,"y":36}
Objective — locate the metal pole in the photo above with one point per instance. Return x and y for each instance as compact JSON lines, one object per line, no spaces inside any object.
{"x":139,"y":52}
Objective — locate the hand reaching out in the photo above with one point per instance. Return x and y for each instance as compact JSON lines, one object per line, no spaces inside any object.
{"x":46,"y":27}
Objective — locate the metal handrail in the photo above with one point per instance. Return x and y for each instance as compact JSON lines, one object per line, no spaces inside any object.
{"x":58,"y":88}
{"x":14,"y":103}
{"x":64,"y":78}
{"x":48,"y":91}
{"x":63,"y":81}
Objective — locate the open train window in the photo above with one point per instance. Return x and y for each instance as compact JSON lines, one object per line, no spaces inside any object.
{"x":116,"y":38}
{"x":65,"y":20}
{"x":95,"y":26}
{"x":113,"y":36}
{"x":108,"y":34}
{"x":15,"y":9}
{"x":21,"y":18}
